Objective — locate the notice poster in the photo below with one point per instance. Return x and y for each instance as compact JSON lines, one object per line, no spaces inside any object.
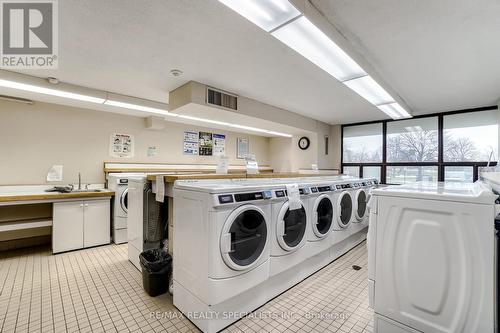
{"x":122,"y":145}
{"x":219,"y":144}
{"x":242,"y":148}
{"x":190,"y":146}
{"x":206,"y":144}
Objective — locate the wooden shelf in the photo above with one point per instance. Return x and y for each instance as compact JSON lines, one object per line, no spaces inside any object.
{"x":25,"y":224}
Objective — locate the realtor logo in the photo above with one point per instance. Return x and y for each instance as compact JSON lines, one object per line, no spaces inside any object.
{"x":29,"y":34}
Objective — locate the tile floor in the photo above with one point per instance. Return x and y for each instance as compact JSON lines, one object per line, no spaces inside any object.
{"x":98,"y":290}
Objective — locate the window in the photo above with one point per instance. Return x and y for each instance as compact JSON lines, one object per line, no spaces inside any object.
{"x":362,"y":143}
{"x":453,"y":147}
{"x":411,"y":174}
{"x":414,"y":140}
{"x":327,"y":144}
{"x":371,"y":172}
{"x":470,"y":136}
{"x":462,"y":174}
{"x":351,"y":171}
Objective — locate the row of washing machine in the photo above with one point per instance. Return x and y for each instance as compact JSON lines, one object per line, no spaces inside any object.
{"x":238,"y":244}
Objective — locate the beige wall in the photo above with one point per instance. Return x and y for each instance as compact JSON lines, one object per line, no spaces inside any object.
{"x":35,"y":137}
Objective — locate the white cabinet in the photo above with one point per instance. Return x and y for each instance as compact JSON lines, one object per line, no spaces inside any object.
{"x":67,"y":226}
{"x":96,"y":226}
{"x":80,"y":224}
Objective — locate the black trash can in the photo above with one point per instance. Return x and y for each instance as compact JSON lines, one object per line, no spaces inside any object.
{"x":156,"y":269}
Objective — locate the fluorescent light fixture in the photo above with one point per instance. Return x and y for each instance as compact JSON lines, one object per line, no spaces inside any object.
{"x":204,"y":120}
{"x":394,"y":110}
{"x":222,"y":123}
{"x":267,"y":14}
{"x":370,"y":90}
{"x":308,"y":40}
{"x":279,"y":134}
{"x":135,"y":107}
{"x":49,"y":91}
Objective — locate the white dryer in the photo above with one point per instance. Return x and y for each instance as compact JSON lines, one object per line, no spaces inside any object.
{"x":288,"y":231}
{"x":222,"y":246}
{"x":431,"y":258}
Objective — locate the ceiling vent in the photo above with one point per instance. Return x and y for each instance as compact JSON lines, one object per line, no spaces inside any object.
{"x":223,"y":99}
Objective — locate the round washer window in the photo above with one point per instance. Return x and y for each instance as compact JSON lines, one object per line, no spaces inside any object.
{"x":248,"y":237}
{"x":124,"y":200}
{"x":325,"y":214}
{"x":295,"y":223}
{"x":361,"y":204}
{"x":345,"y":209}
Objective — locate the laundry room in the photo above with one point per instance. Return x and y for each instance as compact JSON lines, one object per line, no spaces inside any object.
{"x":249,"y":166}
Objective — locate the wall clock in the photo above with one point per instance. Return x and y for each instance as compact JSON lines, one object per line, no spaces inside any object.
{"x":304,"y":143}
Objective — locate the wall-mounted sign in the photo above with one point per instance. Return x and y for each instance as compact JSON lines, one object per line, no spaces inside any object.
{"x":219,"y":144}
{"x":190,"y":146}
{"x":152,"y":151}
{"x":122,"y":145}
{"x":242,"y":148}
{"x":206,"y":144}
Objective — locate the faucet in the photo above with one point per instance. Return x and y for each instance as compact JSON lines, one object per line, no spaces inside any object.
{"x":79,"y":181}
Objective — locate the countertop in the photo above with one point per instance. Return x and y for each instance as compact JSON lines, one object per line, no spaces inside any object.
{"x":34,"y":193}
{"x":173,"y":178}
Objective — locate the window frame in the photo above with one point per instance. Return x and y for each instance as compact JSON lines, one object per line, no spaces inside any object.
{"x":440,"y":162}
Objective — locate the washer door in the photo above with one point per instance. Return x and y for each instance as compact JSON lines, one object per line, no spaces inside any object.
{"x":244,"y":237}
{"x":322,"y":216}
{"x":124,"y":201}
{"x":291,"y":227}
{"x":344,"y":209}
{"x":361,"y":200}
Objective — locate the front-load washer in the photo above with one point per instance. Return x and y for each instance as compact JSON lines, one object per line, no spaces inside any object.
{"x":288,"y":231}
{"x":221,"y":239}
{"x":362,"y":193}
{"x":344,"y":214}
{"x":118,"y":182}
{"x":321,"y":213}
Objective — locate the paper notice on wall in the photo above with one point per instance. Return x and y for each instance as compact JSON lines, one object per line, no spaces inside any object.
{"x":122,"y":145}
{"x":242,"y":148}
{"x":219,"y":141}
{"x":55,"y":174}
{"x":160,"y":188}
{"x":222,"y":165}
{"x":206,"y":144}
{"x":152,"y":151}
{"x":190,"y":146}
{"x":293,"y":196}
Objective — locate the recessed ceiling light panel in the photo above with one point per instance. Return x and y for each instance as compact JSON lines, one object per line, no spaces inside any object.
{"x":370,"y":90}
{"x":394,"y":110}
{"x":49,"y":91}
{"x":308,"y":40}
{"x":267,"y":14}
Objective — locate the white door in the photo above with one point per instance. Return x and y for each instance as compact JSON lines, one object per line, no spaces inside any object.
{"x":67,"y":226}
{"x":96,"y":222}
{"x":435,"y":264}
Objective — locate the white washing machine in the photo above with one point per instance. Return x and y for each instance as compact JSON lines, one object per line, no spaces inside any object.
{"x":321,"y":214}
{"x":431,"y":258}
{"x":288,"y":231}
{"x":361,"y":196}
{"x":118,"y":182}
{"x":222,"y":247}
{"x":344,"y":210}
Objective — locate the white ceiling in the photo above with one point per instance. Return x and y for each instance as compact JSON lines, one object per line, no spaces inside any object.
{"x":438,"y":55}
